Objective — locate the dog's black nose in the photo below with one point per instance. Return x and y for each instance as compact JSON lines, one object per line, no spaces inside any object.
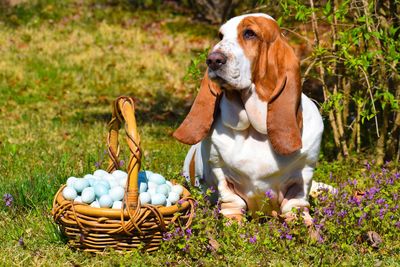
{"x":215,"y":60}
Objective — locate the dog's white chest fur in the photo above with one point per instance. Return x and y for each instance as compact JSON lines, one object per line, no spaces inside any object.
{"x":246,"y":159}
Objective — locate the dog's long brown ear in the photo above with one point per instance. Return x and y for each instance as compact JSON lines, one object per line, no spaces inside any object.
{"x":198,"y":122}
{"x":279,"y":82}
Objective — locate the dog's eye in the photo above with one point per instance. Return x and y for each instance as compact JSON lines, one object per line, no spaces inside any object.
{"x":220,"y":36}
{"x":249,"y":34}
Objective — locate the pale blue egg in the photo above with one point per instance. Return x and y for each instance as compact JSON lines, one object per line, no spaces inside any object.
{"x":95,"y":204}
{"x":117,"y":193}
{"x":173,"y":197}
{"x":69,"y":193}
{"x":117,"y":205}
{"x":163,"y":189}
{"x":71,"y":180}
{"x":100,"y":189}
{"x":81,"y":184}
{"x":152,"y":191}
{"x":158,"y":199}
{"x":142,"y":187}
{"x":122,"y":182}
{"x":78,"y":199}
{"x":89,"y":176}
{"x":88,"y":195}
{"x":103,"y":182}
{"x":119,"y":174}
{"x":100,"y":173}
{"x":113,"y":183}
{"x":157,"y":178}
{"x":177,"y":188}
{"x":145,"y":198}
{"x":105,"y":201}
{"x":152,"y":185}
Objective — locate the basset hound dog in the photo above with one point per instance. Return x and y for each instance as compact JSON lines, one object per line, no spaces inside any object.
{"x":255,"y":136}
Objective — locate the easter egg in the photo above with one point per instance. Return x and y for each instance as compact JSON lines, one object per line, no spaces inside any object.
{"x":88,"y":195}
{"x":177,"y":189}
{"x":117,"y":205}
{"x":152,"y":191}
{"x":122,"y":182}
{"x":158,"y":199}
{"x":113,"y":183}
{"x":104,"y":182}
{"x":119,"y":174}
{"x":148,"y":174}
{"x":163,"y":189}
{"x":69,"y":193}
{"x":105,"y":201}
{"x":100,"y":189}
{"x":145,"y":198}
{"x":168,"y":204}
{"x":100,"y":173}
{"x":71,"y":180}
{"x":78,"y":199}
{"x":117,"y":193}
{"x":142,"y":187}
{"x":95,"y":204}
{"x":89,"y":176}
{"x":81,"y":184}
{"x":152,"y":185}
{"x":173,"y":197}
{"x":157,"y":178}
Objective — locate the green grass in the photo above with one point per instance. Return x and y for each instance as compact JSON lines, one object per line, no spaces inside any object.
{"x":62,"y":64}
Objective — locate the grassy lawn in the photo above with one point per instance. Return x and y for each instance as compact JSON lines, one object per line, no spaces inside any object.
{"x":62,"y":63}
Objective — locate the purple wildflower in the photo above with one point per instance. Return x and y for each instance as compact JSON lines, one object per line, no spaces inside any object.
{"x":181,"y":201}
{"x":167,"y":236}
{"x":382,"y":213}
{"x":97,"y":164}
{"x":21,"y":242}
{"x":269,"y":194}
{"x":342,"y":213}
{"x":367,"y":166}
{"x":121,"y":163}
{"x":362,"y":217}
{"x":329,"y":212}
{"x":253,"y":239}
{"x":397,"y":224}
{"x":188,"y":232}
{"x":8,"y":199}
{"x":380,"y":201}
{"x":288,"y":237}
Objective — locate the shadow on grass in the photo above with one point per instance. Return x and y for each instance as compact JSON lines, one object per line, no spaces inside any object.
{"x":163,"y":109}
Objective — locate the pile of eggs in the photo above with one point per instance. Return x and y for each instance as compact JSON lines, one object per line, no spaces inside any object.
{"x":104,"y":190}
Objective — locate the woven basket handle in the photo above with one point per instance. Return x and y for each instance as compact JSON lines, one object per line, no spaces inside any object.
{"x":124,"y":110}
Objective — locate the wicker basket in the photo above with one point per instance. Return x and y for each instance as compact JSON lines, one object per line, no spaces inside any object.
{"x":135,"y":225}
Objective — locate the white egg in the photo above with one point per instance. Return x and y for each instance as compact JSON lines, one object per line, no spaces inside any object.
{"x":105,"y":201}
{"x":78,"y":199}
{"x":152,"y":191}
{"x":145,"y":198}
{"x":173,"y":197}
{"x":157,"y":178}
{"x":103,"y":182}
{"x":88,"y":195}
{"x":169,"y":183}
{"x":95,"y":204}
{"x":89,"y":176}
{"x":119,"y":174}
{"x":100,"y":173}
{"x":151,"y":185}
{"x":113,"y":183}
{"x":163,"y":189}
{"x":81,"y":184}
{"x":69,"y":193}
{"x":148,"y":174}
{"x":117,"y":193}
{"x":158,"y":199}
{"x":177,"y":188}
{"x":168,"y":203}
{"x":117,"y":205}
{"x":71,"y":180}
{"x":142,"y":187}
{"x":122,"y":182}
{"x":100,"y":190}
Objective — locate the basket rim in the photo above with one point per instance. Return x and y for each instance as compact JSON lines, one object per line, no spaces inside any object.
{"x":86,"y":209}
